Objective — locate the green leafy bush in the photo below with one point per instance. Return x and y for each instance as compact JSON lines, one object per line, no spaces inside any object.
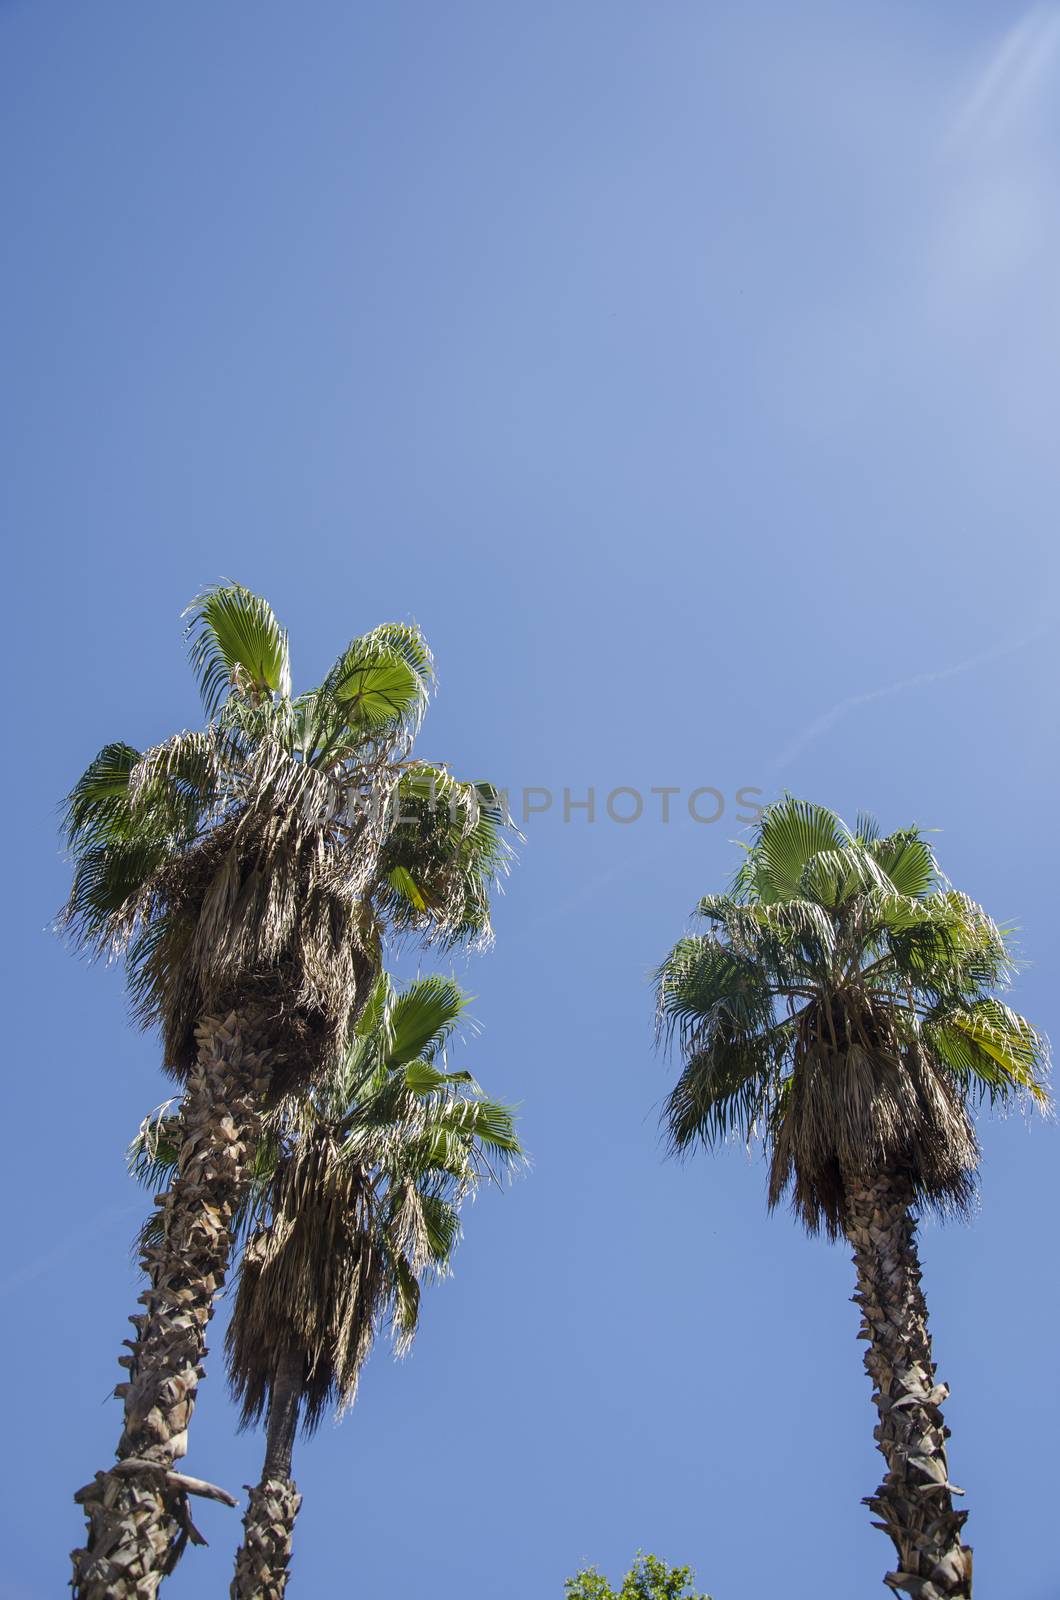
{"x":647,"y":1579}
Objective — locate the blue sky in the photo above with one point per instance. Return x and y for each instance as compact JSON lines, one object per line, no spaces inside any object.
{"x":689,"y":372}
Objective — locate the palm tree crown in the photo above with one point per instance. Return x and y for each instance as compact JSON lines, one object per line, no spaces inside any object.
{"x":354,"y":1199}
{"x":260,"y":858}
{"x":357,"y":1197}
{"x":842,"y":1006}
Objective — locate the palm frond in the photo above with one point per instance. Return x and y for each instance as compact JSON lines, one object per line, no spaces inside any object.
{"x":704,"y":978}
{"x":423,"y":1017}
{"x":445,"y":854}
{"x":726,"y":1086}
{"x":381,"y":682}
{"x":97,"y":806}
{"x":152,"y":1154}
{"x":236,"y":646}
{"x":842,"y":1009}
{"x":362,"y":1198}
{"x":834,"y":877}
{"x":788,"y":836}
{"x":992,"y":1050}
{"x":908,"y":861}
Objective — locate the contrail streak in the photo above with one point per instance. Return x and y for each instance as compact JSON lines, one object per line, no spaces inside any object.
{"x":828,"y":719}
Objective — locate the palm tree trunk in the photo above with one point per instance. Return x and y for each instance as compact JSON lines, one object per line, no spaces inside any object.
{"x":268,"y":1525}
{"x":137,"y":1510}
{"x":915,"y":1501}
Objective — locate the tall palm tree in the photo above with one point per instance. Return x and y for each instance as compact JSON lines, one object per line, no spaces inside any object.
{"x":842,"y":1007}
{"x":361,"y":1201}
{"x":247,"y":872}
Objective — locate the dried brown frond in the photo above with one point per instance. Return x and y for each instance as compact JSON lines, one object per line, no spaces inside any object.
{"x":312,"y":1282}
{"x":864,"y":1100}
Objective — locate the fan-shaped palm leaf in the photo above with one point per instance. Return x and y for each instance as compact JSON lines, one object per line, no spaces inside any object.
{"x":236,"y":642}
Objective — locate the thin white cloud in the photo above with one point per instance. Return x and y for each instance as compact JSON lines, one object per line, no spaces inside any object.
{"x":828,"y":719}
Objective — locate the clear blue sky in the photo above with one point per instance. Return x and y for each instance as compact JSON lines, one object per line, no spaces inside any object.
{"x":690,"y":372}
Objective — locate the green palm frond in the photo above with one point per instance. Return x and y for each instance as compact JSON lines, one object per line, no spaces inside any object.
{"x":360,"y":1198}
{"x":97,"y":807}
{"x":704,"y":978}
{"x":943,"y":944}
{"x":833,"y":877}
{"x":107,"y":881}
{"x":423,"y":1017}
{"x":789,"y":937}
{"x":442,"y":1221}
{"x":907,"y":860}
{"x":866,"y":829}
{"x":122,"y":826}
{"x":443,"y":857}
{"x":462,"y":1123}
{"x":725,"y":1086}
{"x":382,"y":680}
{"x":789,"y":835}
{"x":236,"y":645}
{"x":992,"y":1050}
{"x":424,"y":1078}
{"x":842,"y":1008}
{"x":406,"y":1305}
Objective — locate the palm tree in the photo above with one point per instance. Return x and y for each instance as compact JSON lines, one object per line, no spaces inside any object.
{"x":361,"y":1201}
{"x":247,"y":872}
{"x":842,"y":1007}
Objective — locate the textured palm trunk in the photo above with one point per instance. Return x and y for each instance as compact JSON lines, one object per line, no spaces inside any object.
{"x":914,"y":1503}
{"x":264,"y":1556}
{"x":137,"y":1511}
